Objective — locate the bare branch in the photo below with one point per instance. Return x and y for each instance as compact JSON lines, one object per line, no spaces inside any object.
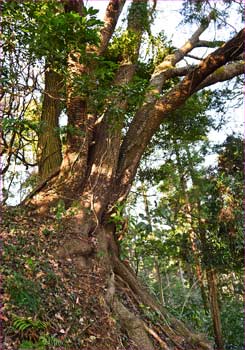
{"x":113,"y":12}
{"x":158,"y":78}
{"x":194,"y":57}
{"x":210,"y":44}
{"x":177,"y":72}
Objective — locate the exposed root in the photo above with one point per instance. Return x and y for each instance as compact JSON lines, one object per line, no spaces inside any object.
{"x":156,"y":336}
{"x":133,"y":325}
{"x":100,"y":295}
{"x":169,"y":333}
{"x":172,"y":328}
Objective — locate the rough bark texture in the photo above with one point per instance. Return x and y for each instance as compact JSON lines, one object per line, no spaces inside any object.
{"x":113,"y":12}
{"x":49,"y":144}
{"x":213,"y":297}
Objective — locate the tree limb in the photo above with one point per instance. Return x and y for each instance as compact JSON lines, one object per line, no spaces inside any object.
{"x":158,"y":77}
{"x":148,"y":119}
{"x":210,"y":44}
{"x":112,"y":14}
{"x":228,"y":72}
{"x":178,"y":72}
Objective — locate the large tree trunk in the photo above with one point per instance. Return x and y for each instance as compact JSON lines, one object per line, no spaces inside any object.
{"x":49,"y":144}
{"x":89,"y":245}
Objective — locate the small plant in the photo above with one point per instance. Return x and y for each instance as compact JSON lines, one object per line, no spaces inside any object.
{"x":117,"y":216}
{"x":46,"y":232}
{"x":24,"y":323}
{"x":44,"y":341}
{"x":29,"y":345}
{"x":28,"y":328}
{"x":60,"y":210}
{"x":23,"y":292}
{"x":49,"y":340}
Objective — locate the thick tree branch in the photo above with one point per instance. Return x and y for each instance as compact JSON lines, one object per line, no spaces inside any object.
{"x":105,"y":153}
{"x":160,"y":74}
{"x":113,"y":12}
{"x":178,"y":72}
{"x":73,"y":5}
{"x":228,"y":72}
{"x":148,"y":119}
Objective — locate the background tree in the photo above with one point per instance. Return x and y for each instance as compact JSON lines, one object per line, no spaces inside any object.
{"x":191,"y":205}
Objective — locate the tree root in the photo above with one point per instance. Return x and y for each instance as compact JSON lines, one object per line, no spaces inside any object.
{"x":156,"y":336}
{"x":133,"y":325}
{"x":173,"y":326}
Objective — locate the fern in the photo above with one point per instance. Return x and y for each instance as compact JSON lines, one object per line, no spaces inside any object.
{"x":29,"y":345}
{"x":24,"y":323}
{"x":49,"y":340}
{"x":44,"y":341}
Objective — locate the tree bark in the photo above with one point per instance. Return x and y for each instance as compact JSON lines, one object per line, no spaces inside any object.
{"x":159,"y":281}
{"x":49,"y":143}
{"x":113,"y":12}
{"x":213,"y":297}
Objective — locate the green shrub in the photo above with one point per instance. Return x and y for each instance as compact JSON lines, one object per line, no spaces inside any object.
{"x":23,"y":292}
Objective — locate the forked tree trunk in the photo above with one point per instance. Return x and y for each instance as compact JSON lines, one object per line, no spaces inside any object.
{"x":97,"y":172}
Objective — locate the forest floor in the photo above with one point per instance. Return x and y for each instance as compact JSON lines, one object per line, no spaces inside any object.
{"x":44,"y":306}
